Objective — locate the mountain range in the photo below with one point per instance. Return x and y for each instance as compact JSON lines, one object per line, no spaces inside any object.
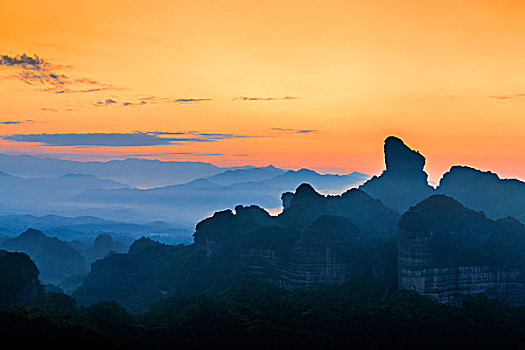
{"x":124,"y":191}
{"x":393,"y":221}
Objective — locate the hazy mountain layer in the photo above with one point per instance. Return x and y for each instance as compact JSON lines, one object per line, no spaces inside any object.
{"x":58,"y":261}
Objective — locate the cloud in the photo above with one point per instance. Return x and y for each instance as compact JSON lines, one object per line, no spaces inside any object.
{"x":295,"y":131}
{"x":46,"y":109}
{"x":15,"y":122}
{"x":24,"y":61}
{"x":184,"y":154}
{"x":189,"y":100}
{"x":154,"y":100}
{"x":37,"y":71}
{"x":246,"y":98}
{"x":106,"y":102}
{"x":156,"y":138}
{"x":507,"y":97}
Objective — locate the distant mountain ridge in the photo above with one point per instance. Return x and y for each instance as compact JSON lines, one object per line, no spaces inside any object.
{"x":141,"y":191}
{"x":201,"y":197}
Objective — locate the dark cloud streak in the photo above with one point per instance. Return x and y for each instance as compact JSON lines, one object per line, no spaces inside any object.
{"x":134,"y":139}
{"x":246,"y":98}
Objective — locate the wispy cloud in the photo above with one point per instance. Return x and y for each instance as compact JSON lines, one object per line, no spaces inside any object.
{"x":154,"y":100}
{"x":47,"y":109}
{"x":34,"y":70}
{"x":247,"y":98}
{"x":507,"y":97}
{"x":294,"y":131}
{"x":155,"y":138}
{"x":184,"y":154}
{"x":15,"y":122}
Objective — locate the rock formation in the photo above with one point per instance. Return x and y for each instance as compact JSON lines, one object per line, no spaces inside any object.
{"x":327,"y":239}
{"x":59,"y":263}
{"x":404,"y":182}
{"x":449,"y":252}
{"x":484,"y":190}
{"x":18,"y":280}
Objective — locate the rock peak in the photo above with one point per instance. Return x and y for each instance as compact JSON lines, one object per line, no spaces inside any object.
{"x":305,"y":190}
{"x":32,"y":233}
{"x":401,"y":158}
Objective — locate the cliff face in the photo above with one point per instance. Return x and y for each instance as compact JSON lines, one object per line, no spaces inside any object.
{"x":325,"y":239}
{"x":330,"y":250}
{"x":18,"y":280}
{"x":404,"y":182}
{"x":448,"y":252}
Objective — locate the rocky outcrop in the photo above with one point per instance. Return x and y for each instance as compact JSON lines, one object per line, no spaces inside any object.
{"x":368,"y":214}
{"x":18,"y":280}
{"x":57,"y":260}
{"x":484,"y":190}
{"x":449,"y":252}
{"x":404,"y":182}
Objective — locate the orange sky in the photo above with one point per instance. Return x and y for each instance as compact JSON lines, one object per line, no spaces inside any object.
{"x":446,"y":76}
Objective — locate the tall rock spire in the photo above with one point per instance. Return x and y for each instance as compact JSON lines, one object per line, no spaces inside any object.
{"x":404,"y":182}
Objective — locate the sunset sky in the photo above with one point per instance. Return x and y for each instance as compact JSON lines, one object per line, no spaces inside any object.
{"x":315,"y":84}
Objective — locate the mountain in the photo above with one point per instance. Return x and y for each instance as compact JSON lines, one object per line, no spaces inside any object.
{"x":372,"y":217}
{"x":449,"y":252}
{"x":329,"y":239}
{"x":86,"y":228}
{"x":141,"y":191}
{"x":132,"y":171}
{"x":201,"y":197}
{"x":327,"y":183}
{"x":404,"y":182}
{"x":58,"y":262}
{"x":485,"y":191}
{"x":102,"y":246}
{"x":18,"y":280}
{"x":34,"y":195}
{"x":230,"y":177}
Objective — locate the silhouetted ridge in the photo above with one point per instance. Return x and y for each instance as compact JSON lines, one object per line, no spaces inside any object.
{"x":370,"y":215}
{"x":145,"y":245}
{"x":33,"y":234}
{"x":484,"y":190}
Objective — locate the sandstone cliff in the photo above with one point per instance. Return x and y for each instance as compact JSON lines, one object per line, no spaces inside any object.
{"x":449,"y":252}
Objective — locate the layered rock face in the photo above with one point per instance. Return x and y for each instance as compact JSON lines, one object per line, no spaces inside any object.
{"x":448,"y":252}
{"x":18,"y":280}
{"x":484,"y":190}
{"x":331,"y":250}
{"x":404,"y":182}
